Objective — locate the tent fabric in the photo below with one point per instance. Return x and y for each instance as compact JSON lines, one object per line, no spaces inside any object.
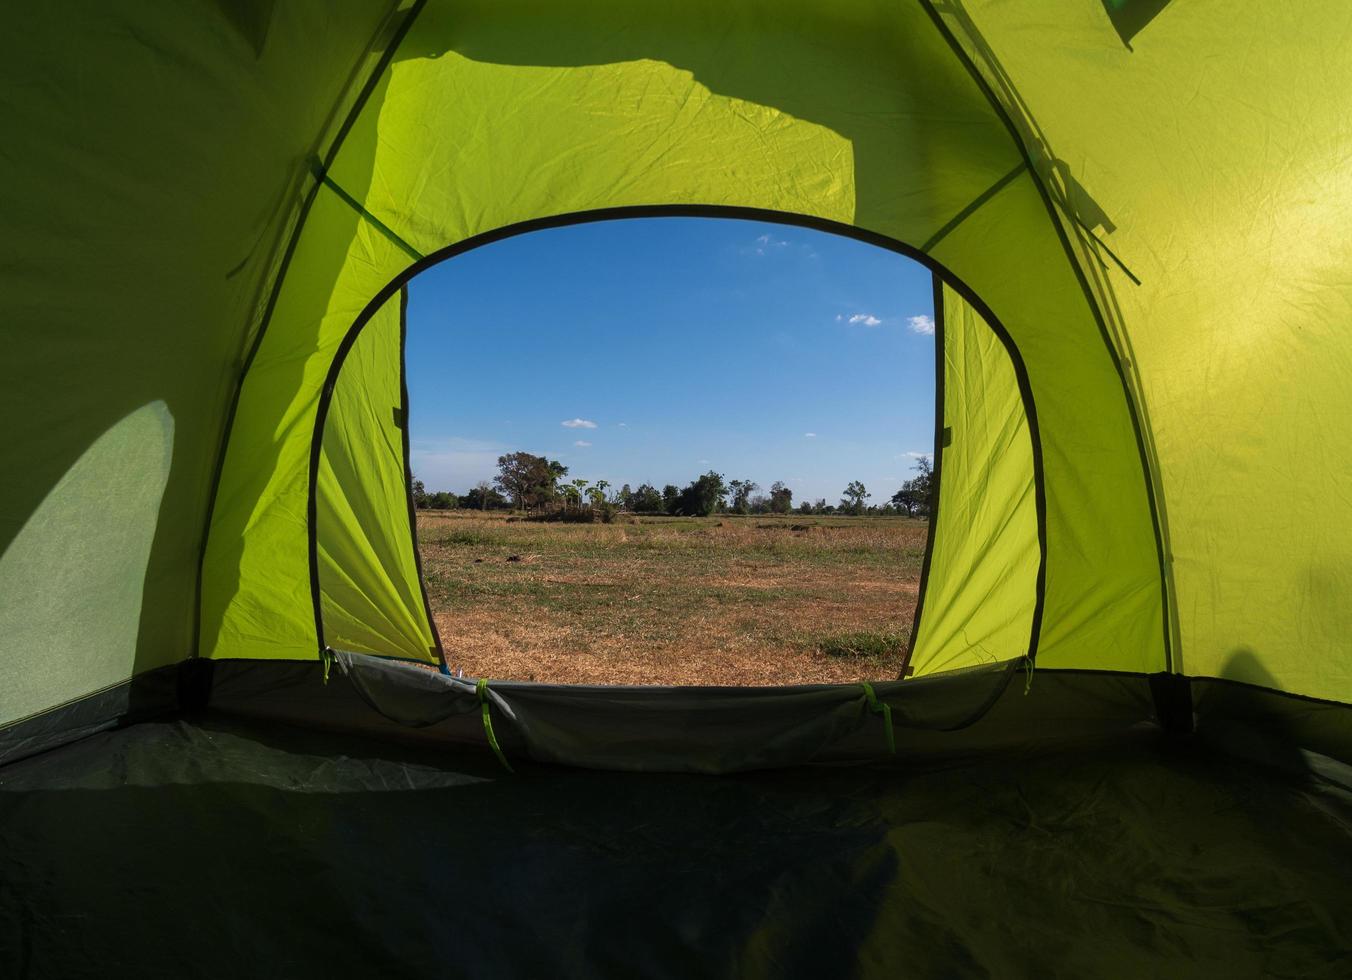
{"x":646,"y":729}
{"x":545,"y":83}
{"x":1208,"y":198}
{"x":1124,"y":750}
{"x":155,"y":154}
{"x":980,"y":592}
{"x":371,"y":597}
{"x":322,"y":855}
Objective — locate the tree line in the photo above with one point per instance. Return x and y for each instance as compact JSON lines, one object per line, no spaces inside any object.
{"x":538,"y":485}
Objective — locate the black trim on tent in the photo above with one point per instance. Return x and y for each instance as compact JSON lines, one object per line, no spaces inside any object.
{"x":1172,"y":659}
{"x":938,"y":269}
{"x":405,"y":424}
{"x":283,"y":266}
{"x":939,"y":442}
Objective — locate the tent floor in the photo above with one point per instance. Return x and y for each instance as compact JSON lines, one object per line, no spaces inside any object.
{"x":218,"y":849}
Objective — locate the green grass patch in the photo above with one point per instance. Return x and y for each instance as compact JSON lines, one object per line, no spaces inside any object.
{"x":867,"y":645}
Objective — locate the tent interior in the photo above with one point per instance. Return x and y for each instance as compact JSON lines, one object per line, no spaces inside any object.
{"x":1121,"y":743}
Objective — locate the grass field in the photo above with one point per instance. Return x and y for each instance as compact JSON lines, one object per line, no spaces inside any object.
{"x":721,"y":600}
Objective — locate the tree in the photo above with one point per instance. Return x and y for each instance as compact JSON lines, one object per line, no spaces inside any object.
{"x":529,"y":480}
{"x":419,"y":494}
{"x":483,"y":497}
{"x":805,"y":507}
{"x":625,"y":498}
{"x":855,"y":495}
{"x":646,"y":500}
{"x":702,"y":496}
{"x":671,"y":494}
{"x":740,"y":492}
{"x":579,"y":491}
{"x":916,"y":496}
{"x":441,"y":500}
{"x":781,"y":498}
{"x":601,"y":487}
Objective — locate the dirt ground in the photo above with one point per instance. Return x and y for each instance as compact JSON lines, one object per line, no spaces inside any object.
{"x":721,"y":600}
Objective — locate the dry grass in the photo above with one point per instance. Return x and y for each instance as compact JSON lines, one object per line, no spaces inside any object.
{"x":723,"y":600}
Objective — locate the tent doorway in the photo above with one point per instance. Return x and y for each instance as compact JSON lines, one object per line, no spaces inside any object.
{"x":687,"y":452}
{"x":673,"y":451}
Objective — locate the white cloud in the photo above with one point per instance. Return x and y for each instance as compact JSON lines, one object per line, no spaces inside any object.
{"x":624,"y":425}
{"x":923,"y":323}
{"x":764,"y":243}
{"x":582,"y":443}
{"x":867,"y":319}
{"x":915,"y":455}
{"x":809,"y":435}
{"x":840,"y":318}
{"x":703,"y":462}
{"x":578,"y":424}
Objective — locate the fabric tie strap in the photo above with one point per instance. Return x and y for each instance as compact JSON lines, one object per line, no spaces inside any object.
{"x":481,"y":688}
{"x":884,"y":709}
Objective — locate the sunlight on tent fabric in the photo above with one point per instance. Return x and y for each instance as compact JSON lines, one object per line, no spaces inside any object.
{"x":73,"y":577}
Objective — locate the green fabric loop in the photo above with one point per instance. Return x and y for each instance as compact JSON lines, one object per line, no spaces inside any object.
{"x":884,"y":709}
{"x":481,"y":689}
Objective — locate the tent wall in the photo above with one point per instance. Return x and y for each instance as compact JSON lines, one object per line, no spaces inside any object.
{"x":205,"y":192}
{"x":497,"y":113}
{"x":154,"y":156}
{"x":980,"y":598}
{"x":1208,"y":152}
{"x":366,"y":564}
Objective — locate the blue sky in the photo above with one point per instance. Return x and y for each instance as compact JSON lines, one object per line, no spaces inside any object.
{"x":653,"y":350}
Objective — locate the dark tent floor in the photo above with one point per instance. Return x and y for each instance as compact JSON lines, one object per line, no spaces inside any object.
{"x":188,"y":850}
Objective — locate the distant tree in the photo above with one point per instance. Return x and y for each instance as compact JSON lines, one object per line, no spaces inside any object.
{"x":671,"y":494}
{"x":529,"y":480}
{"x":483,"y":497}
{"x":916,"y":496}
{"x":625,"y":498}
{"x":702,"y":497}
{"x":441,"y":500}
{"x":419,"y":493}
{"x":601,"y":487}
{"x":805,"y":507}
{"x":646,"y":500}
{"x":579,"y":492}
{"x":781,"y":498}
{"x":855,"y":495}
{"x":739,"y":493}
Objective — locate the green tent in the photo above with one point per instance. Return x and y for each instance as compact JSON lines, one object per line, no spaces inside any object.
{"x":1121,"y":745}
